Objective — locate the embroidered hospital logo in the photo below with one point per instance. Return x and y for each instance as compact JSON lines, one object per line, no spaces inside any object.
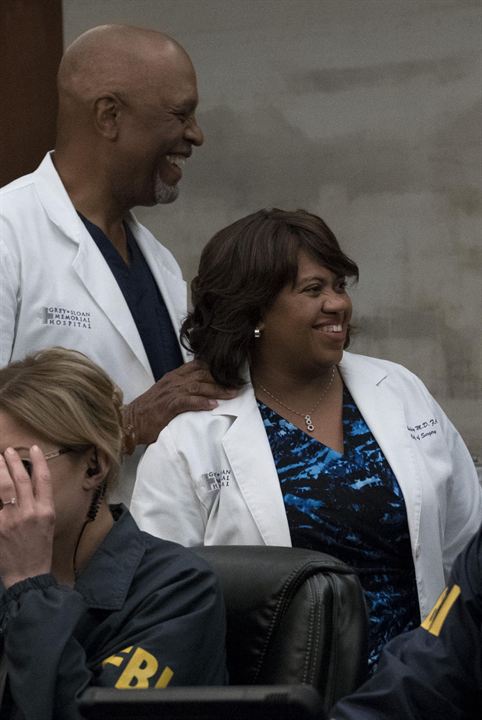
{"x":216,"y":479}
{"x":64,"y":316}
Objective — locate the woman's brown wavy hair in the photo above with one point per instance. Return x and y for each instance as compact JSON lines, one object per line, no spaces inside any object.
{"x":241,"y":271}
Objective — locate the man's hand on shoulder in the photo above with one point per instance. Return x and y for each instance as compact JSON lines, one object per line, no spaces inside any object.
{"x":189,"y":387}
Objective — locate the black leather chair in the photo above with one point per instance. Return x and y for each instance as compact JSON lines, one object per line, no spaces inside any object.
{"x":293,"y":616}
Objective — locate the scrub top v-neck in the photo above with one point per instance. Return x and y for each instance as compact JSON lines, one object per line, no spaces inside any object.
{"x":143,"y":298}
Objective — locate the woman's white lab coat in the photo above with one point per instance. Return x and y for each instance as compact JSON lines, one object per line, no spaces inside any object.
{"x":210,"y":478}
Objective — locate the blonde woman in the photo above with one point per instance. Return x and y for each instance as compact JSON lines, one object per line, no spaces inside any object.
{"x":86,"y":598}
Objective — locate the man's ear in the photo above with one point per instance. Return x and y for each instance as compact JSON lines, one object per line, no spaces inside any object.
{"x":107,"y":116}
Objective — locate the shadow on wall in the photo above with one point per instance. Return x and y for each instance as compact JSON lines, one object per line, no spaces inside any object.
{"x":442,"y":71}
{"x":265,"y":160}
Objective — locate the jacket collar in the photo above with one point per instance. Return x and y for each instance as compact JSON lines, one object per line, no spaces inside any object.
{"x":379,"y":398}
{"x":242,"y":402}
{"x":107,"y":578}
{"x":357,"y":371}
{"x":368,"y":381}
{"x":56,"y":201}
{"x":379,"y":401}
{"x":88,"y":263}
{"x":361,"y":367}
{"x":90,"y":266}
{"x":172,"y":287}
{"x":247,"y":448}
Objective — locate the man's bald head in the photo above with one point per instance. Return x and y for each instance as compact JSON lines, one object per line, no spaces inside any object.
{"x":115,"y":59}
{"x":127,"y":101}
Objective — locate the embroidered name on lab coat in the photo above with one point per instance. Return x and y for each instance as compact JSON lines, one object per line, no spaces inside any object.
{"x":424,"y":429}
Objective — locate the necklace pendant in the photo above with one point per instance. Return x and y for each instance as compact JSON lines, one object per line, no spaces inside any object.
{"x":309,"y":423}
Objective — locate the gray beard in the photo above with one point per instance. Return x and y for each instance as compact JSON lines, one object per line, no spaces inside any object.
{"x":164,"y":193}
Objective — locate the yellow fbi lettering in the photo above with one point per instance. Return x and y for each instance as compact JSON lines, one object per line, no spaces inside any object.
{"x":434,"y":621}
{"x":140,"y":669}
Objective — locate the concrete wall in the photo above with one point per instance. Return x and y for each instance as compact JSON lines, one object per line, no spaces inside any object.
{"x":366,"y":112}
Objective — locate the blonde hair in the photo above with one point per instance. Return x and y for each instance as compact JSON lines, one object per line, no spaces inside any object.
{"x":66,"y":399}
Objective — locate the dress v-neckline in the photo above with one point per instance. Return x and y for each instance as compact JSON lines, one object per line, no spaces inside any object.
{"x":340,"y":455}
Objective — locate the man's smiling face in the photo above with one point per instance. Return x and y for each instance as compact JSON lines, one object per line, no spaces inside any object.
{"x":157,"y":133}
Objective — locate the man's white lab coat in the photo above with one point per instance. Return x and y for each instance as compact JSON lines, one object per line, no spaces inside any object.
{"x":57,"y":289}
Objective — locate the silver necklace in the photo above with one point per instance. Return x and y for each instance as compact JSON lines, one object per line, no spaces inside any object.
{"x":306,"y":416}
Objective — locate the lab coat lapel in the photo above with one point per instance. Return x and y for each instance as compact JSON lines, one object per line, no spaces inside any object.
{"x":99,"y":281}
{"x":89,"y":264}
{"x":382,"y":409}
{"x":172,"y":288}
{"x":249,"y":454}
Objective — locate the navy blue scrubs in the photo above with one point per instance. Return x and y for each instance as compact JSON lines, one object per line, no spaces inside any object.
{"x":145,"y":302}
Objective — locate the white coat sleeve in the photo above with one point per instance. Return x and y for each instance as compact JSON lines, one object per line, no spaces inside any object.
{"x":164,"y":502}
{"x":9,"y":297}
{"x":464,"y":495}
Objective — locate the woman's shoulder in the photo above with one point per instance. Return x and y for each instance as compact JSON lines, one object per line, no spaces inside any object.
{"x":189,"y":426}
{"x":174,"y":557}
{"x":390,"y":376}
{"x":164,"y":557}
{"x":220,"y":417}
{"x":367,"y":363}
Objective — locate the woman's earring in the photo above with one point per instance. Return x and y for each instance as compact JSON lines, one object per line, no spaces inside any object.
{"x":257,"y":333}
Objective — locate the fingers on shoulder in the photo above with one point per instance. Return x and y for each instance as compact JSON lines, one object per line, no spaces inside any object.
{"x":190,"y":403}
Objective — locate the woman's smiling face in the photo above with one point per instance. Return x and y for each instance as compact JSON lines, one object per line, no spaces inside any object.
{"x":305,"y":329}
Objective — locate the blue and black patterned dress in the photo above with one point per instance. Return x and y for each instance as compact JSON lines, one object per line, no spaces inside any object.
{"x":350,"y":506}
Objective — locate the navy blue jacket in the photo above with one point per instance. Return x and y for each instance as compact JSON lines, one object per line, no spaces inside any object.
{"x":144,"y":613}
{"x":434,"y":671}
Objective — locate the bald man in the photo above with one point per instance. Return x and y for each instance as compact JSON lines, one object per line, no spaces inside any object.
{"x":76,"y":268}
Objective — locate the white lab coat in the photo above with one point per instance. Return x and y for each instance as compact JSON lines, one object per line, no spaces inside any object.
{"x":210,"y":478}
{"x":57,"y":289}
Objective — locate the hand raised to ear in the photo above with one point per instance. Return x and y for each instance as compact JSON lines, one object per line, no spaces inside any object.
{"x":26,"y":526}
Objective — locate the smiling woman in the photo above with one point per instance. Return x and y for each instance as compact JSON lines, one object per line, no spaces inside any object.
{"x":317,"y":450}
